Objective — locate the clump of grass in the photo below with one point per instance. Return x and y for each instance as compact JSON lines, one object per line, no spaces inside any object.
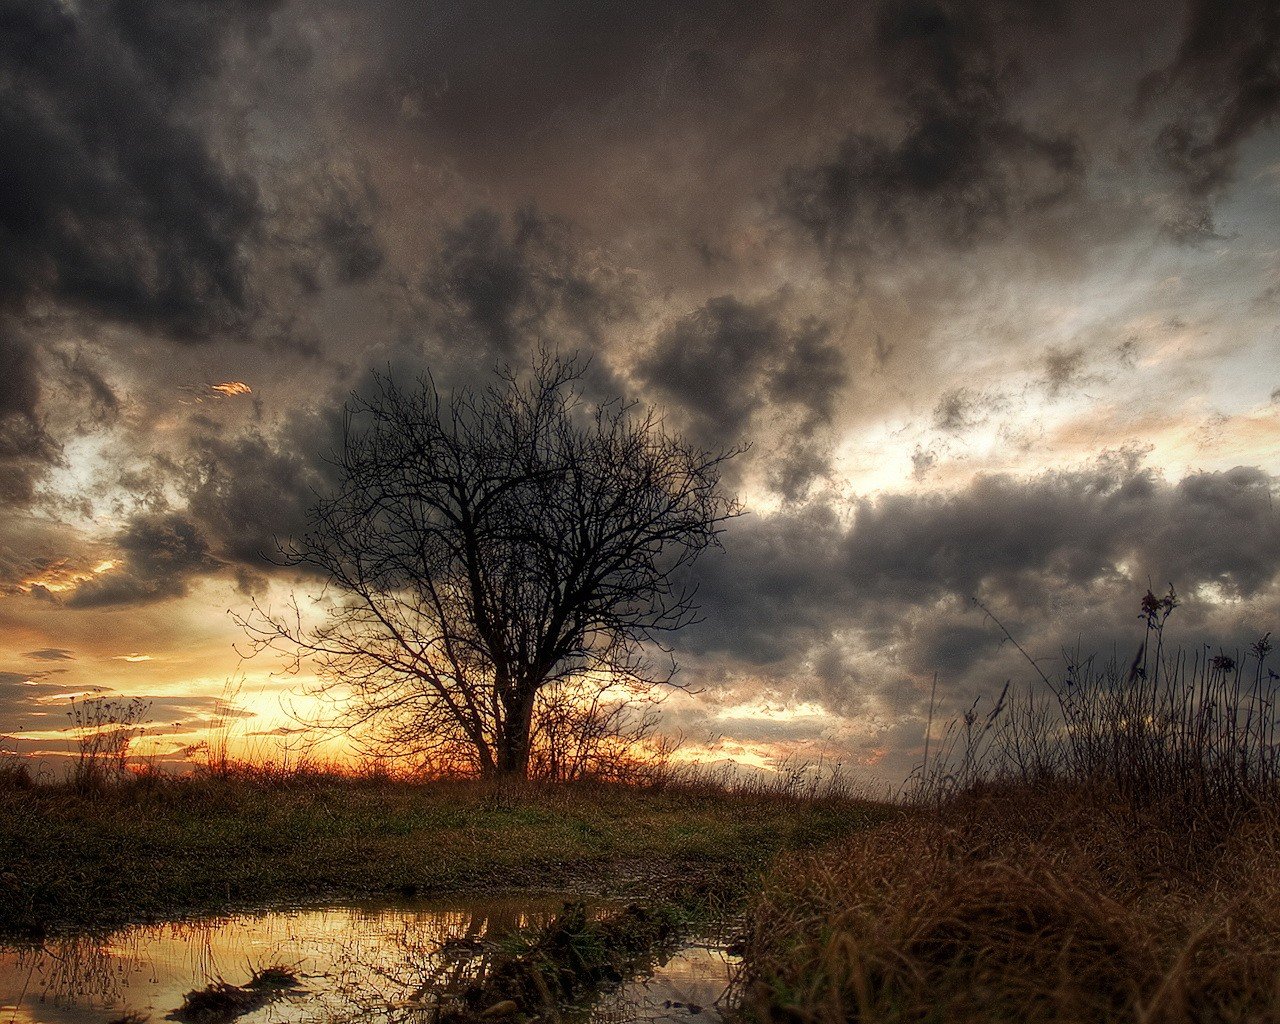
{"x":104,"y":729}
{"x":1193,"y":732}
{"x":15,"y":773}
{"x":221,"y":1001}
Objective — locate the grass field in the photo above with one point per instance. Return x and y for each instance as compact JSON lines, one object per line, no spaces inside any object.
{"x":164,"y":847}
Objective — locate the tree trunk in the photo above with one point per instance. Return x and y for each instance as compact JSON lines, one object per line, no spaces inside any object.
{"x":513,"y":752}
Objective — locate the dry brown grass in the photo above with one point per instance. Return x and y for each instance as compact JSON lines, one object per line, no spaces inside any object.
{"x":1034,"y":904}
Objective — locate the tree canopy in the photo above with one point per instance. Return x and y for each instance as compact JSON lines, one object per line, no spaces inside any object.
{"x":490,"y":547}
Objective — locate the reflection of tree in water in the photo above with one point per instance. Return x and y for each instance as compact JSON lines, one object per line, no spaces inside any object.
{"x":425,"y":959}
{"x":374,"y":964}
{"x":72,"y":970}
{"x":688,"y":985}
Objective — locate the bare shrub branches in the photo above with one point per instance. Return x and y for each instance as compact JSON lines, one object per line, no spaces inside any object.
{"x":104,"y":729}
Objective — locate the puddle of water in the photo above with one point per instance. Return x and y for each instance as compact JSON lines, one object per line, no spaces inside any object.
{"x":686,"y":989}
{"x":354,"y":964}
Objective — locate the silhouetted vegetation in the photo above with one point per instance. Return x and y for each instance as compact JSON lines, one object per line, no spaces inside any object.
{"x":103,"y":729}
{"x":220,"y":1001}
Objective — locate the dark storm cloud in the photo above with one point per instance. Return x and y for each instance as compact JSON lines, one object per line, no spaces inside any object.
{"x":1224,"y":84}
{"x":777,"y":589}
{"x":86,"y":381}
{"x":251,"y":492}
{"x":347,"y":233}
{"x":904,"y":570}
{"x":1023,"y":538}
{"x":488,"y":78}
{"x":162,"y":553}
{"x":26,"y":449}
{"x":795,"y":466}
{"x":729,"y":359}
{"x":113,"y":205}
{"x":959,"y":163}
{"x":19,"y":384}
{"x":112,"y":202}
{"x":180,"y":41}
{"x":326,"y":225}
{"x":503,"y":286}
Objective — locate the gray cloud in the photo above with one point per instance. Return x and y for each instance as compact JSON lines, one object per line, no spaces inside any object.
{"x":251,"y":492}
{"x":1223,"y":85}
{"x":26,"y":449}
{"x":112,"y":203}
{"x":162,"y":553}
{"x":959,"y":163}
{"x":51,"y":654}
{"x":502,"y":287}
{"x":28,"y":700}
{"x":328,"y":228}
{"x":730,"y":361}
{"x":20,"y":686}
{"x":1023,"y":539}
{"x":1055,"y":552}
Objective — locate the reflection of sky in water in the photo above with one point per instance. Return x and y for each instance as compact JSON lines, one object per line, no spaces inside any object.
{"x":686,"y":988}
{"x":359,"y":962}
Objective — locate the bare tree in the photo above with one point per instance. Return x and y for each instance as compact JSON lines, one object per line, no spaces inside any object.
{"x":489,"y":545}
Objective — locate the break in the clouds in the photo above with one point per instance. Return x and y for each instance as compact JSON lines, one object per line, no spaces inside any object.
{"x":985,"y":292}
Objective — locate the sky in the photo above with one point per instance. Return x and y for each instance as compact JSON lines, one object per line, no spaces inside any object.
{"x":990,"y":290}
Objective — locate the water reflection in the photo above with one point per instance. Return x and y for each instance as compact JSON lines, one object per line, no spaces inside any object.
{"x":686,"y":987}
{"x":361,"y":963}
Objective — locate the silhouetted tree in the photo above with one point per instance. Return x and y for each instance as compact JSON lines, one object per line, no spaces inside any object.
{"x":492,"y":545}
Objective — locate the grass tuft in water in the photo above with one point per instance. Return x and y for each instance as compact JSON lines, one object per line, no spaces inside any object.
{"x":220,"y":1001}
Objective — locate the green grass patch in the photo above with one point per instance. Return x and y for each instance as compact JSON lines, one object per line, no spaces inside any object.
{"x":185,"y":846}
